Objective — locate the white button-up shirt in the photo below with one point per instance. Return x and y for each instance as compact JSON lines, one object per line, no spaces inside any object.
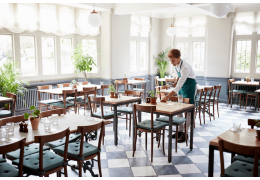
{"x":186,"y":72}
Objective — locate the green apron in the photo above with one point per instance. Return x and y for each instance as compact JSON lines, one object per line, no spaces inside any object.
{"x":188,"y":88}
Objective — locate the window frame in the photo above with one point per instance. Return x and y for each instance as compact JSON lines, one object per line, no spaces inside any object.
{"x":72,"y":46}
{"x":13,"y":48}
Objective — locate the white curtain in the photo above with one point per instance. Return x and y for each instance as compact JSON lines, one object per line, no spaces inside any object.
{"x":49,"y":18}
{"x":140,"y":24}
{"x":247,"y":22}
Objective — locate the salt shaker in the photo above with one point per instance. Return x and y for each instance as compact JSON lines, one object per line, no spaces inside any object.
{"x":21,"y":126}
{"x":25,"y":129}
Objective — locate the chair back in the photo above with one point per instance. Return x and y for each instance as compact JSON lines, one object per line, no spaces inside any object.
{"x":217,"y":88}
{"x":149,"y":109}
{"x":238,"y":149}
{"x":199,"y":93}
{"x":41,"y":88}
{"x":89,"y":90}
{"x":185,"y":100}
{"x":14,"y":119}
{"x":103,"y":87}
{"x":52,"y":137}
{"x":133,"y":93}
{"x":12,"y":147}
{"x":50,"y":112}
{"x":207,"y":93}
{"x":96,"y":100}
{"x":14,"y":97}
{"x":72,"y":92}
{"x":121,"y":82}
{"x":140,"y":79}
{"x":85,"y":129}
{"x":63,"y":85}
{"x":83,"y":83}
{"x":229,"y":85}
{"x":252,"y":122}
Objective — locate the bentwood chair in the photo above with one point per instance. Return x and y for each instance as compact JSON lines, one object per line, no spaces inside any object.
{"x":123,"y":82}
{"x":72,"y":137}
{"x":63,"y":86}
{"x":215,"y":99}
{"x":250,"y":95}
{"x":129,"y":110}
{"x":7,"y":113}
{"x":198,"y":103}
{"x":148,"y":126}
{"x":239,"y":168}
{"x":205,"y":101}
{"x":6,"y":169}
{"x":84,"y":102}
{"x":140,"y":89}
{"x":82,"y":150}
{"x":176,"y":121}
{"x":236,"y":93}
{"x":47,"y":162}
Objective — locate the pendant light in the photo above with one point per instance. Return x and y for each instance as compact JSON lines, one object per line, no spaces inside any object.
{"x":94,"y":18}
{"x":220,"y":9}
{"x":171,"y":31}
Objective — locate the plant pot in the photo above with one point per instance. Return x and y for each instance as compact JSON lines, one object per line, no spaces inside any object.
{"x":148,"y":100}
{"x":258,"y":135}
{"x":248,"y":80}
{"x":35,"y":123}
{"x":124,"y":78}
{"x":112,"y":94}
{"x":153,"y":100}
{"x":74,"y":86}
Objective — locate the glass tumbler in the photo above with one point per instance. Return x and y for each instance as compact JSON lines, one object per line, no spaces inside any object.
{"x":47,"y":124}
{"x":87,"y":114}
{"x":236,"y":127}
{"x":10,"y":128}
{"x":3,"y":133}
{"x":55,"y":118}
{"x":252,"y":79}
{"x":242,"y":79}
{"x":180,"y":98}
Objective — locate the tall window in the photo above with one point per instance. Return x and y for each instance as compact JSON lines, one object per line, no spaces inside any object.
{"x":258,"y":58}
{"x":48,"y":56}
{"x":27,"y":54}
{"x":243,"y":56}
{"x":133,"y":55}
{"x":143,"y":56}
{"x":90,"y":46}
{"x":67,"y":66}
{"x":6,"y":50}
{"x":198,"y":51}
{"x":183,"y":47}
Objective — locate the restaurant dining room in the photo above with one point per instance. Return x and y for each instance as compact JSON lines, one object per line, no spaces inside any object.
{"x":129,"y":89}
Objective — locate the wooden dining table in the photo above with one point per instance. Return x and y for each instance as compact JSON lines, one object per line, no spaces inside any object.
{"x":247,"y":137}
{"x":5,"y":100}
{"x":170,"y":109}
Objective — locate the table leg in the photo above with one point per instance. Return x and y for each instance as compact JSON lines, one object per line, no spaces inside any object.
{"x":256,"y":98}
{"x":12,"y":108}
{"x":170,"y":140}
{"x":231,"y":98}
{"x":139,"y":120}
{"x":191,"y":129}
{"x":211,"y":161}
{"x":115,"y":124}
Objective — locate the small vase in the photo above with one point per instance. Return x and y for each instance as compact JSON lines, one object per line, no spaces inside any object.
{"x":112,"y":94}
{"x":35,"y":123}
{"x":258,"y":135}
{"x":247,"y":80}
{"x":148,"y":100}
{"x":153,"y":100}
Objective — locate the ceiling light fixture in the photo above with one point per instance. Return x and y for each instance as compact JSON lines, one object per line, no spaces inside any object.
{"x":171,"y":31}
{"x":94,"y":18}
{"x":220,"y":9}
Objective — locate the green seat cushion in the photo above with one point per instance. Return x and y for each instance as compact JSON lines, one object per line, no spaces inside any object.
{"x":2,"y":160}
{"x":107,"y":114}
{"x":82,"y":101}
{"x":74,"y":148}
{"x":61,"y":104}
{"x":147,"y":125}
{"x":50,"y":161}
{"x":72,"y":138}
{"x":128,"y":110}
{"x":49,"y":101}
{"x":175,"y":120}
{"x":238,"y":91}
{"x":211,"y":98}
{"x":138,"y":89}
{"x":240,"y":169}
{"x":7,"y":170}
{"x":250,"y":92}
{"x":5,"y":113}
{"x":202,"y":101}
{"x":245,"y":159}
{"x":28,"y":150}
{"x":72,"y":98}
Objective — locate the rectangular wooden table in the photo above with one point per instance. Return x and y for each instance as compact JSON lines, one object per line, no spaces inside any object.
{"x":137,"y":82}
{"x":4,"y":100}
{"x":245,"y":138}
{"x":162,"y":108}
{"x":243,"y":83}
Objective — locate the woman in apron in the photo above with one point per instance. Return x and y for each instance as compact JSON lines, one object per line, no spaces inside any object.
{"x":186,"y":85}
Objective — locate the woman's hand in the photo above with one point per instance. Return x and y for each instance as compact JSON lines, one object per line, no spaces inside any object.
{"x":164,"y":99}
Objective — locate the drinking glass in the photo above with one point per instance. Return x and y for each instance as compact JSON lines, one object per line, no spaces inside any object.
{"x":50,"y":87}
{"x":180,"y":98}
{"x":236,"y":127}
{"x":89,"y":83}
{"x":133,"y":78}
{"x":119,"y":96}
{"x":87,"y":114}
{"x":55,"y":118}
{"x":43,"y":119}
{"x":165,"y":77}
{"x":47,"y":124}
{"x":3,"y":133}
{"x":61,"y":86}
{"x":80,"y":83}
{"x":10,"y":128}
{"x":242,"y":79}
{"x":101,"y":83}
{"x":252,"y":79}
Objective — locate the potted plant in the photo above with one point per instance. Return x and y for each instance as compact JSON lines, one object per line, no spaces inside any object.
{"x":125,"y":78}
{"x":111,"y":91}
{"x":162,"y":63}
{"x":153,"y":97}
{"x":34,"y":117}
{"x":73,"y":83}
{"x":248,"y":78}
{"x":82,"y":61}
{"x":258,"y":130}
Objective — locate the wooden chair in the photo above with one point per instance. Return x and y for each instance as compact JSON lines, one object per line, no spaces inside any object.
{"x":7,"y":113}
{"x":67,"y":105}
{"x":103,"y":87}
{"x":198,"y":103}
{"x":215,"y":99}
{"x":140,"y":89}
{"x":63,"y":85}
{"x":205,"y":101}
{"x":83,"y":83}
{"x":239,"y":168}
{"x":236,"y":93}
{"x":121,"y":82}
{"x":129,"y":110}
{"x":47,"y":102}
{"x":47,"y":162}
{"x":84,"y":102}
{"x":6,"y":169}
{"x":251,"y":95}
{"x":176,"y":121}
{"x":82,"y":150}
{"x":148,"y":126}
{"x":162,"y":95}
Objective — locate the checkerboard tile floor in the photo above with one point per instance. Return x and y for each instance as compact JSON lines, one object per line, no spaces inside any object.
{"x":117,"y":161}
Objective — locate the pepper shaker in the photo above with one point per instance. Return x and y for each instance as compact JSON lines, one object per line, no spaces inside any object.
{"x":21,"y":126}
{"x":25,"y":129}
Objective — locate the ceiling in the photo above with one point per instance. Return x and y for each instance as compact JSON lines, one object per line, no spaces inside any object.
{"x":162,"y":10}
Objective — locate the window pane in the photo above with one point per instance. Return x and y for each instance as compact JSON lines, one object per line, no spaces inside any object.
{"x":6,"y":50}
{"x":90,"y":46}
{"x":134,"y":31}
{"x":243,"y":56}
{"x":183,"y":47}
{"x":143,"y":56}
{"x":27,"y":53}
{"x":144,"y":33}
{"x":182,"y":34}
{"x":258,"y":58}
{"x":198,"y":52}
{"x":67,"y":66}
{"x":48,"y":60}
{"x":133,"y":55}
{"x":198,"y":34}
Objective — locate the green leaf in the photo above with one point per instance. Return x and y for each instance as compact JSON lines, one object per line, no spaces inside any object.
{"x":26,"y":116}
{"x":32,"y":108}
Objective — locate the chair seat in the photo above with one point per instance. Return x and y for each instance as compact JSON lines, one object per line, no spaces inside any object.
{"x":238,"y":91}
{"x":7,"y":170}
{"x":81,"y":101}
{"x":50,"y":161}
{"x":49,"y":101}
{"x":2,"y":160}
{"x":240,"y":169}
{"x":211,"y":98}
{"x":72,"y":138}
{"x":5,"y":113}
{"x":107,"y":114}
{"x":74,"y":148}
{"x":72,"y":98}
{"x":138,"y":89}
{"x":245,"y":159}
{"x":128,"y":110}
{"x":250,"y":93}
{"x":175,"y":120}
{"x":28,"y":150}
{"x":61,"y":104}
{"x":147,"y":125}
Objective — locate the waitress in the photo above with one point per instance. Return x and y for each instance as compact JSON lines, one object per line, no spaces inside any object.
{"x":186,"y":85}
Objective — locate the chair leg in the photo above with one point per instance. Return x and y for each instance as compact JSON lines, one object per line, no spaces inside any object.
{"x":246,"y":101}
{"x":130,"y":126}
{"x":185,"y":134}
{"x":159,"y":139}
{"x":80,"y":168}
{"x":209,"y":111}
{"x":146,"y":141}
{"x":151,"y":146}
{"x":65,"y":171}
{"x":176,"y":138}
{"x":240,"y":100}
{"x":163,"y":141}
{"x":99,"y":165}
{"x":251,"y":101}
{"x":199,"y":113}
{"x":228,"y":99}
{"x":135,"y":142}
{"x":213,"y":110}
{"x":204,"y":112}
{"x":103,"y":138}
{"x":126,"y":120}
{"x":217,"y":108}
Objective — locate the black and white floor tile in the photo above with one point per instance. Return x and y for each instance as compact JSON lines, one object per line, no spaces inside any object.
{"x":117,"y":161}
